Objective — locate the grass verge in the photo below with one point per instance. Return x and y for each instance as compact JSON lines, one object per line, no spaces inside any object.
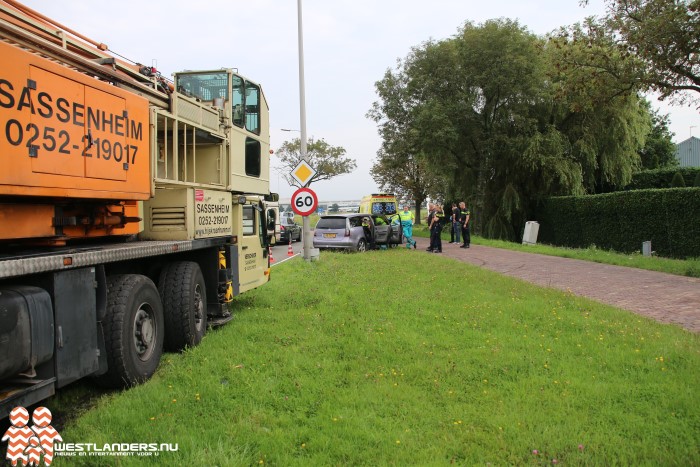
{"x":397,"y":357}
{"x":682,"y":267}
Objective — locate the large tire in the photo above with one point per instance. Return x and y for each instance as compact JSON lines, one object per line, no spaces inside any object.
{"x":184,"y":297}
{"x":133,"y":330}
{"x":361,"y":245}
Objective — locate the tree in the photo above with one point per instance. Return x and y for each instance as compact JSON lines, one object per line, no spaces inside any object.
{"x":501,"y":118}
{"x":328,"y":161}
{"x":334,"y":208}
{"x":597,"y":89}
{"x":659,"y":151}
{"x":697,"y":180}
{"x":405,"y":176}
{"x":665,"y":36}
{"x":399,"y":167}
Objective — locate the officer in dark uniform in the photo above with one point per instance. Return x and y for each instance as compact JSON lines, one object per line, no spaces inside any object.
{"x":436,"y":229}
{"x":464,"y":215}
{"x":429,"y":221}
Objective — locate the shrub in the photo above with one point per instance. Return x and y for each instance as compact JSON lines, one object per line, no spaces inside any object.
{"x":678,"y":181}
{"x":621,"y":221}
{"x":661,"y":178}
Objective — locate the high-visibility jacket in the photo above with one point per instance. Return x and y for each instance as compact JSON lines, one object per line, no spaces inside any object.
{"x":440,"y":219}
{"x":406,"y":216}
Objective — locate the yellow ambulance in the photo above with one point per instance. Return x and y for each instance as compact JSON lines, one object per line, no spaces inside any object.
{"x":379,"y":203}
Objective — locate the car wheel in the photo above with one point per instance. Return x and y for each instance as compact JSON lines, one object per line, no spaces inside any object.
{"x":362,"y":245}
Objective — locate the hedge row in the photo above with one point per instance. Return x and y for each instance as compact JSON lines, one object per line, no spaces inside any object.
{"x":623,"y":220}
{"x":661,"y":178}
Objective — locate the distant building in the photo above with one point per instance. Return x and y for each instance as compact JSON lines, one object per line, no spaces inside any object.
{"x":343,"y":206}
{"x":688,"y":152}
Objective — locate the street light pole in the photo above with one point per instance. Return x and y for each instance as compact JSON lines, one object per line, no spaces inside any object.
{"x":302,"y":117}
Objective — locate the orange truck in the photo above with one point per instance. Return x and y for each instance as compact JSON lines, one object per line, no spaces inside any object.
{"x":132,"y":207}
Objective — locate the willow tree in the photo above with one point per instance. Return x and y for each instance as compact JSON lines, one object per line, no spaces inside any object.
{"x":499,"y":115}
{"x":597,"y":104}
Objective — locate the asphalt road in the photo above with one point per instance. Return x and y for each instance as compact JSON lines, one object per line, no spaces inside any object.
{"x":280,"y":252}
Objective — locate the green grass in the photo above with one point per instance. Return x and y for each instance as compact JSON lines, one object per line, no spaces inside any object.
{"x":681,"y":267}
{"x":401,"y":358}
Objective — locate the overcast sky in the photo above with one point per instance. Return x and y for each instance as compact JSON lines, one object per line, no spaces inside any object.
{"x":348,"y":45}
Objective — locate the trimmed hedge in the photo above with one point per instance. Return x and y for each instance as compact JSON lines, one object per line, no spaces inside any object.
{"x":621,"y":221}
{"x":662,"y":178}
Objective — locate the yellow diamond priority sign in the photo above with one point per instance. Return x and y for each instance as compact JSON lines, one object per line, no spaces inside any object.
{"x":303,"y":173}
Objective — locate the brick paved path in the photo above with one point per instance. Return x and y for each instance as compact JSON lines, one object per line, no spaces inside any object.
{"x":663,"y":297}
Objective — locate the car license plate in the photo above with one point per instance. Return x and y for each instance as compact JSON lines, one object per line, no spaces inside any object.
{"x":329,"y":235}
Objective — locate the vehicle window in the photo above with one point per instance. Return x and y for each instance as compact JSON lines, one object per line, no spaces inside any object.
{"x":331,"y":223}
{"x":384,"y":207}
{"x":248,"y":220}
{"x":237,"y":101}
{"x":252,"y":157}
{"x":204,"y":86}
{"x":252,"y":108}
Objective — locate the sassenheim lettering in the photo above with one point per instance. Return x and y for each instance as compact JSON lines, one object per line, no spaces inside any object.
{"x":213,"y":208}
{"x":115,"y":447}
{"x":47,"y":106}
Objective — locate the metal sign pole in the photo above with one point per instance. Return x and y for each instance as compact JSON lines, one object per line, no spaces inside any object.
{"x":306,"y":224}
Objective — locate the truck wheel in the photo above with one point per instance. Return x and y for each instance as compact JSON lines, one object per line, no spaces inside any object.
{"x":184,"y":297}
{"x":133,"y":330}
{"x":362,"y":245}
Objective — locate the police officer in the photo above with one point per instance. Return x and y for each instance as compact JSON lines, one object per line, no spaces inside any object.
{"x":436,"y":229}
{"x":406,"y":218}
{"x":429,"y":221}
{"x":464,"y":215}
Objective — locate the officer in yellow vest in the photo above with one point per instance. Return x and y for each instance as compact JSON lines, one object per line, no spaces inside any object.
{"x":406,"y":217}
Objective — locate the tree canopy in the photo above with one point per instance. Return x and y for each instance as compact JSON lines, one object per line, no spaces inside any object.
{"x":502,"y":118}
{"x":665,"y":36}
{"x":659,"y":151}
{"x":328,"y":161}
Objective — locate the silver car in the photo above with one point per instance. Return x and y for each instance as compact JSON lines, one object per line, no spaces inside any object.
{"x":355,"y":232}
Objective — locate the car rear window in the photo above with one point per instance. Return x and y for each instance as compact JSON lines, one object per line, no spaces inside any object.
{"x":331,"y":223}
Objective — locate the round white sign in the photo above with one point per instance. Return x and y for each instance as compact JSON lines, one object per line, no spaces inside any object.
{"x":304,"y":201}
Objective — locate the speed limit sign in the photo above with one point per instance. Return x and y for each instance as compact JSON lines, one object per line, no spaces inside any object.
{"x":304,"y":201}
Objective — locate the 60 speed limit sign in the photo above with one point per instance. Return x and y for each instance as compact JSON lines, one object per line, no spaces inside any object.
{"x":304,"y":201}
